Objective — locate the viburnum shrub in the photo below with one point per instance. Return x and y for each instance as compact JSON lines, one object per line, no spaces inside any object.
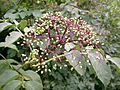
{"x":54,"y":37}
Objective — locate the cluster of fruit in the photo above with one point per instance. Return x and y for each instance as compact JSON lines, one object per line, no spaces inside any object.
{"x":52,"y":31}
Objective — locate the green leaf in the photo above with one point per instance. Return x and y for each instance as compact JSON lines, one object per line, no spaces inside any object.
{"x":12,"y":61}
{"x":13,"y":85}
{"x":34,"y":76}
{"x":23,"y":72}
{"x":33,"y":85}
{"x":102,"y":70}
{"x":23,"y":15}
{"x":77,"y":61}
{"x":2,"y":44}
{"x":14,"y":35}
{"x":9,"y":60}
{"x":7,"y":76}
{"x":10,"y":15}
{"x":3,"y":66}
{"x":4,"y":25}
{"x":22,"y":24}
{"x":11,"y":53}
{"x":69,"y":46}
{"x":12,"y":46}
{"x":36,"y":13}
{"x":115,"y":60}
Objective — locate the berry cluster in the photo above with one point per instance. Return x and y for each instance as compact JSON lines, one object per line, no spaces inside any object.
{"x":51,"y":32}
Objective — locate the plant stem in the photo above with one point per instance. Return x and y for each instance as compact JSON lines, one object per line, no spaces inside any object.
{"x":42,"y":62}
{"x":19,"y":31}
{"x":2,"y":56}
{"x":6,"y":60}
{"x":53,"y":58}
{"x":64,"y":33}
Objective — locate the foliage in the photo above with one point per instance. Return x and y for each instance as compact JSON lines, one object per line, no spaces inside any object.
{"x":14,"y":78}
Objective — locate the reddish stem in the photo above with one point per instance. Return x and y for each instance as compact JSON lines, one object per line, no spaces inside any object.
{"x":49,"y":33}
{"x":64,"y":34}
{"x":58,"y":34}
